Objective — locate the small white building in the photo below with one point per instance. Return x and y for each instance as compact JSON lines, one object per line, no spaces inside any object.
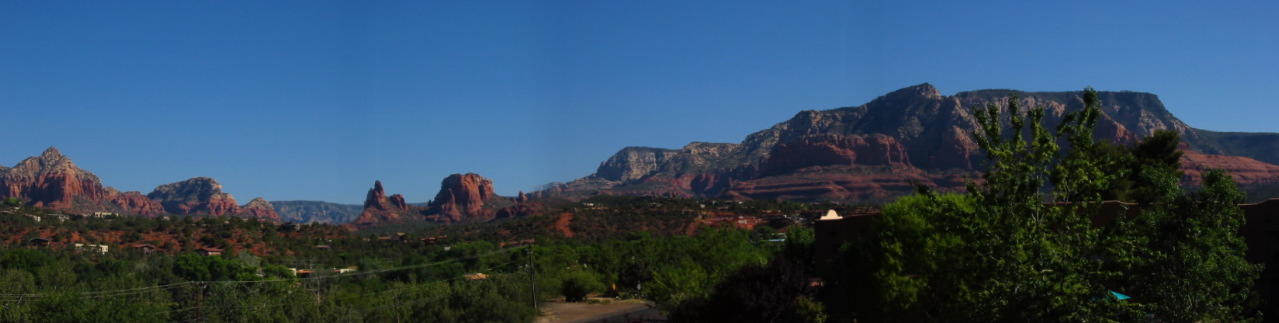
{"x":98,"y":248}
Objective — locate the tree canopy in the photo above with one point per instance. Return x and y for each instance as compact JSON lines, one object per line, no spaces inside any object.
{"x":1022,"y":245}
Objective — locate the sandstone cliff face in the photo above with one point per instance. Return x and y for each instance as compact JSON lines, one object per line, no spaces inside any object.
{"x":259,"y":208}
{"x":199,"y":195}
{"x":835,"y":150}
{"x":51,"y":180}
{"x":464,"y":198}
{"x":377,"y":199}
{"x":875,"y":150}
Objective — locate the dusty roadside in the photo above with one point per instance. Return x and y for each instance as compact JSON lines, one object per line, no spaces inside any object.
{"x":561,"y":312}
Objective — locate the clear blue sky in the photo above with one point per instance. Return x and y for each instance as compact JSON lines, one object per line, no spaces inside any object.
{"x":316,"y":100}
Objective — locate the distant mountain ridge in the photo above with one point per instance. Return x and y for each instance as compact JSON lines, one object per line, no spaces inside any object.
{"x":316,"y":211}
{"x":877,"y":150}
{"x":53,"y":181}
{"x":871,"y":152}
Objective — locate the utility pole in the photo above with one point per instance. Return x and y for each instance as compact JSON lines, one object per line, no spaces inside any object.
{"x":199,"y":312}
{"x":532,"y":276}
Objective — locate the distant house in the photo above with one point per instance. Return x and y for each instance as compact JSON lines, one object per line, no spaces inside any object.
{"x":518,"y":243}
{"x":103,"y":214}
{"x":323,"y":247}
{"x":98,"y":248}
{"x":435,"y":239}
{"x":476,"y":276}
{"x":39,"y":242}
{"x":60,"y":217}
{"x":147,"y":249}
{"x":209,"y":251}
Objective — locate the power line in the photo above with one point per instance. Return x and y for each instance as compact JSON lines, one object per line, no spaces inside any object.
{"x":139,"y":290}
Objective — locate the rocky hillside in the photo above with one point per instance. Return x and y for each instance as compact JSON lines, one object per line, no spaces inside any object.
{"x":199,"y":195}
{"x":380,"y":209}
{"x":316,"y":211}
{"x":259,"y":208}
{"x":53,"y":181}
{"x":876,"y":150}
{"x":463,"y":198}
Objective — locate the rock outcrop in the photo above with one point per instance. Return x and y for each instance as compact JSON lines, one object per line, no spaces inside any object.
{"x":259,"y":208}
{"x":379,"y":208}
{"x":199,"y":195}
{"x":465,"y":198}
{"x":377,"y":199}
{"x":876,"y":150}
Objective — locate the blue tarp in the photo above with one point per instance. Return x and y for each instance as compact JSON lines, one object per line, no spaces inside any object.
{"x":1118,"y":296}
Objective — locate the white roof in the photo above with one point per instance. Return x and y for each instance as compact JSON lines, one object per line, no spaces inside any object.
{"x":830,"y":215}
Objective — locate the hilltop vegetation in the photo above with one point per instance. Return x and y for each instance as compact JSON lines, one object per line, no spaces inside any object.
{"x":1000,"y":253}
{"x":429,"y":274}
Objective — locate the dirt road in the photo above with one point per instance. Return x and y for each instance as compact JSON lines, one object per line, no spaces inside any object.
{"x":616,"y":311}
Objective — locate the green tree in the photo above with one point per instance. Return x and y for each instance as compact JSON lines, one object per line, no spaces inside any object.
{"x":577,"y":284}
{"x":13,"y":202}
{"x":775,"y":292}
{"x":1185,"y":259}
{"x":919,"y":276}
{"x":1030,"y":260}
{"x":1001,"y":253}
{"x":1141,"y":168}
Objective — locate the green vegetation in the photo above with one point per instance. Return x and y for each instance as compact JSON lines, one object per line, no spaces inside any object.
{"x":467,"y":273}
{"x":69,"y":286}
{"x":12,"y":202}
{"x":1000,"y":253}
